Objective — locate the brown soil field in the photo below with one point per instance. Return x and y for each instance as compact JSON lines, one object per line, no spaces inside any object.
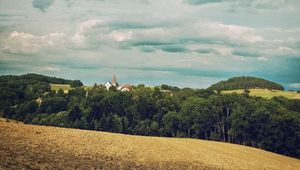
{"x":40,"y":147}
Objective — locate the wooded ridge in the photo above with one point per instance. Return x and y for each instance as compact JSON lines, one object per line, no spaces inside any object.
{"x":270,"y":124}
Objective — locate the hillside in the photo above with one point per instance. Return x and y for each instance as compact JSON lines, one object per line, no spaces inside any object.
{"x":245,"y":83}
{"x":32,"y":78}
{"x":266,"y":93}
{"x":16,"y":89}
{"x":40,"y":147}
{"x":64,"y":87}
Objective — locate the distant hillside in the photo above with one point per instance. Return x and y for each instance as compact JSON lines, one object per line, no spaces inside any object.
{"x":15,"y":90}
{"x":245,"y":83}
{"x":31,"y":78}
{"x":40,"y":147}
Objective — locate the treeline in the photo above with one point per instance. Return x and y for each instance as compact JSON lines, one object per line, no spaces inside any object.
{"x":245,"y":83}
{"x":15,"y":90}
{"x":273,"y":125}
{"x":31,"y":78}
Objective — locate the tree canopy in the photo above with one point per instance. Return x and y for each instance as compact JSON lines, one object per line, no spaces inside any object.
{"x":270,"y":124}
{"x":245,"y":83}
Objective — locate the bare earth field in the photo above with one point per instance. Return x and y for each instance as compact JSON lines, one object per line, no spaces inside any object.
{"x":39,"y":147}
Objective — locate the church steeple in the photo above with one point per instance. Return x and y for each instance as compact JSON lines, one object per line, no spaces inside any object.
{"x":114,"y":81}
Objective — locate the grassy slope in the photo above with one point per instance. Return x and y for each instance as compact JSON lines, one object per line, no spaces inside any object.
{"x":28,"y":146}
{"x":267,"y":93}
{"x":64,"y":87}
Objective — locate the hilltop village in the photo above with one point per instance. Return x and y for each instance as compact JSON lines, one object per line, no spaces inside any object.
{"x":115,"y":84}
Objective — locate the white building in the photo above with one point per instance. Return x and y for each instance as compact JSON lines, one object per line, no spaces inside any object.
{"x":125,"y":87}
{"x":108,"y":85}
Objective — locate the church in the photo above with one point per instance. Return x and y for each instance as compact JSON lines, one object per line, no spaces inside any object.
{"x":125,"y":87}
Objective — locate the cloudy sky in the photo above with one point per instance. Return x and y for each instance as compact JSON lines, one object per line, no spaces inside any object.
{"x":187,"y":43}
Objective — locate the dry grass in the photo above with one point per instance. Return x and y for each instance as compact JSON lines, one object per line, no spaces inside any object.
{"x":38,"y":147}
{"x":266,"y":93}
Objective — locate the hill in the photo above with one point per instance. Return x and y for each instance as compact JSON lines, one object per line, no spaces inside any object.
{"x":32,"y":78}
{"x":266,"y":93}
{"x":245,"y":83}
{"x":15,"y":89}
{"x":40,"y":147}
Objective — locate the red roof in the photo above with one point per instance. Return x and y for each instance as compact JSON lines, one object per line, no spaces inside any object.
{"x":127,"y":86}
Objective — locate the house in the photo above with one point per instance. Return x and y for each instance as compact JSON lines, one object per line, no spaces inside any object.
{"x":108,"y":85}
{"x":112,"y":83}
{"x":125,"y":87}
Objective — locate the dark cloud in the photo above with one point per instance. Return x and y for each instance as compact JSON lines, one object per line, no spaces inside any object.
{"x":77,"y":64}
{"x":251,"y":6}
{"x":131,"y":25}
{"x":176,"y":35}
{"x":206,"y":40}
{"x":147,"y":49}
{"x":206,"y":51}
{"x":246,"y":53}
{"x":149,"y":43}
{"x":267,"y":4}
{"x":174,"y":49}
{"x":13,"y":67}
{"x":201,"y":2}
{"x":42,"y":4}
{"x":190,"y":71}
{"x":297,"y":45}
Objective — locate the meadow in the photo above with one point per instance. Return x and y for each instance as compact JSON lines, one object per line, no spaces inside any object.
{"x":40,"y":147}
{"x":64,"y":87}
{"x":266,"y":93}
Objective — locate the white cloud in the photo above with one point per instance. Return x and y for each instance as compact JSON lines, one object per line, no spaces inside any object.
{"x":156,"y":35}
{"x":202,"y":31}
{"x":295,"y":85}
{"x":22,"y":42}
{"x":259,"y":5}
{"x":120,"y":36}
{"x":233,"y":32}
{"x":287,"y":49}
{"x":262,"y":58}
{"x":51,"y":69}
{"x":103,"y":28}
{"x":83,"y":27}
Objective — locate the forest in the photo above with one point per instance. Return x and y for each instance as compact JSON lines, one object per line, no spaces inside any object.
{"x":269,"y":124}
{"x":246,"y":83}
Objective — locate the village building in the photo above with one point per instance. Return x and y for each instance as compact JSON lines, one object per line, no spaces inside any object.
{"x":108,"y":85}
{"x":126,"y":87}
{"x":114,"y":83}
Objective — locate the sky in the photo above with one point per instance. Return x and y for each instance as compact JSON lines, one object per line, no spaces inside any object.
{"x":184,"y":43}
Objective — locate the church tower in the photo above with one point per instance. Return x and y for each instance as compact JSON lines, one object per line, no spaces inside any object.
{"x":114,"y":81}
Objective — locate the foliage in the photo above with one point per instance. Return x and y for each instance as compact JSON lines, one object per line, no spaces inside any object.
{"x":270,"y":124}
{"x":245,"y":83}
